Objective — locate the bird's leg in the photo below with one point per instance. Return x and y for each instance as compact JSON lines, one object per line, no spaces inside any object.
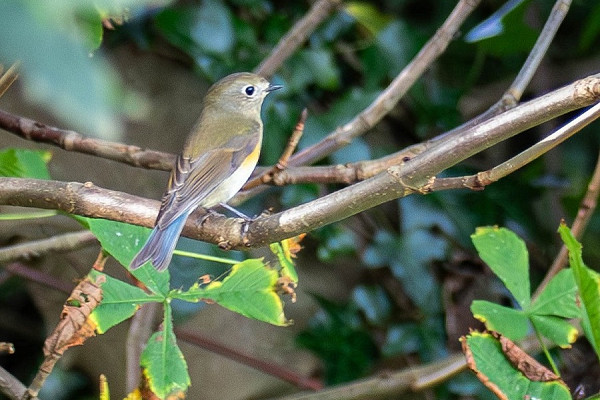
{"x":236,"y":212}
{"x":207,"y":213}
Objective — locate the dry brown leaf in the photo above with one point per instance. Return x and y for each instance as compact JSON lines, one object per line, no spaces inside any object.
{"x":481,"y":376}
{"x":74,"y":326}
{"x":522,"y":361}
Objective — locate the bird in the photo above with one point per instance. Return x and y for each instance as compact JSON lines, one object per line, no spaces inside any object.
{"x":218,"y":157}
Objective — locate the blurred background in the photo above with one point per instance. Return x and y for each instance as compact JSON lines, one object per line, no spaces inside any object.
{"x":384,"y":290}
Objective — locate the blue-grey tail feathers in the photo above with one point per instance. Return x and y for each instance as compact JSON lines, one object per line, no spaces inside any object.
{"x":160,"y":245}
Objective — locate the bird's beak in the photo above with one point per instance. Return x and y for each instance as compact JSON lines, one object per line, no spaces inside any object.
{"x":272,"y":87}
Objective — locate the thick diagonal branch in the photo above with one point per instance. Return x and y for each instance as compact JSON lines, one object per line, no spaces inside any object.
{"x":414,"y":176}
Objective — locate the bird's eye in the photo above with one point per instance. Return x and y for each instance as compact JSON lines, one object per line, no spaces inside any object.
{"x":249,"y":90}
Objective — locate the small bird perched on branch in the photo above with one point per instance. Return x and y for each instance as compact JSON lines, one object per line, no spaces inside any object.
{"x":218,"y":157}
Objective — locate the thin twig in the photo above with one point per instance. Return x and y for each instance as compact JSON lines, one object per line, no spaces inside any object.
{"x":11,"y":386}
{"x":34,"y":275}
{"x":73,"y":141}
{"x":7,"y":348}
{"x":410,"y":379}
{"x":482,"y":179}
{"x":267,"y":176}
{"x":584,"y":213}
{"x":415,"y":176}
{"x":8,"y":78}
{"x":513,"y":94}
{"x":296,"y":36}
{"x":388,"y":99}
{"x":293,"y":142}
{"x":141,"y":328}
{"x":269,"y":368}
{"x":36,"y":248}
{"x":389,"y":384}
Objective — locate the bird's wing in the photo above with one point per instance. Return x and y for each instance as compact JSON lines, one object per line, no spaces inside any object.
{"x":192,"y":180}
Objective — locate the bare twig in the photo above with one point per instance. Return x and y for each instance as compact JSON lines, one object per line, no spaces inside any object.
{"x":482,"y":179}
{"x":11,"y":386}
{"x":73,"y":141}
{"x":268,"y":175}
{"x":34,"y":275}
{"x":141,"y":328}
{"x":275,"y":370}
{"x":7,"y":348}
{"x":296,"y":36}
{"x":387,"y":100}
{"x":65,"y":242}
{"x":8,"y":78}
{"x":584,"y":213}
{"x":415,"y":176}
{"x":389,"y":384}
{"x":513,"y":94}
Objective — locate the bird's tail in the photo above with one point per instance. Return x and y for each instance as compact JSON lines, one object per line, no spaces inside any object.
{"x":160,"y":246}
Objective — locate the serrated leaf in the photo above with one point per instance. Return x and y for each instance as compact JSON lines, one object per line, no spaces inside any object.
{"x":559,"y":297}
{"x":162,"y":362}
{"x":119,"y":302}
{"x":249,"y":289}
{"x":22,"y":163}
{"x":506,"y":255}
{"x":588,"y":283}
{"x":509,"y":322}
{"x":486,"y":359}
{"x":123,"y":241}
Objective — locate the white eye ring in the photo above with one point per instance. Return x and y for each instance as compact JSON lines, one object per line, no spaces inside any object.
{"x":250,"y":90}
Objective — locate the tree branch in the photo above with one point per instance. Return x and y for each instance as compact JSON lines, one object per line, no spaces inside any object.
{"x":66,"y":242}
{"x":296,"y":36}
{"x":513,"y":94}
{"x":482,"y":179}
{"x":11,"y":386}
{"x":388,"y":99}
{"x":414,"y":176}
{"x":584,"y":213}
{"x":73,"y":141}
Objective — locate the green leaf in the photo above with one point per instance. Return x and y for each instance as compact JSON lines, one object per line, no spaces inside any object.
{"x":492,"y":367}
{"x":123,"y":241}
{"x":509,"y":322}
{"x":21,"y":163}
{"x":162,"y":362}
{"x":588,"y":282}
{"x":559,"y":297}
{"x":506,"y":255}
{"x":249,"y":289}
{"x":119,"y":302}
{"x":556,"y":329}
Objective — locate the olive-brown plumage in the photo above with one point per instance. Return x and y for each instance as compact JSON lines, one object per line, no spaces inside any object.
{"x":218,"y":157}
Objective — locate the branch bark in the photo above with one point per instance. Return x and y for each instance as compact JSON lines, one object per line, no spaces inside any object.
{"x":296,"y":36}
{"x":414,"y":176}
{"x":73,"y":141}
{"x":388,"y":99}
